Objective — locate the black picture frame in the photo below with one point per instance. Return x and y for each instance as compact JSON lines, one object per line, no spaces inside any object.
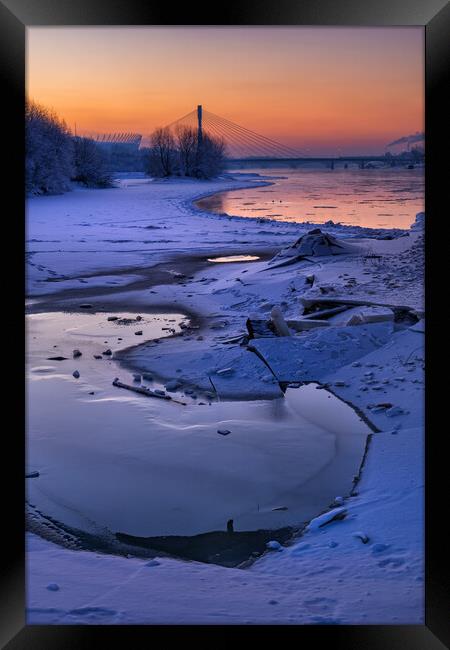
{"x":434,"y":15}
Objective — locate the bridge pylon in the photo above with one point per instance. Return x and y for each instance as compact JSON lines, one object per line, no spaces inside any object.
{"x":199,"y":124}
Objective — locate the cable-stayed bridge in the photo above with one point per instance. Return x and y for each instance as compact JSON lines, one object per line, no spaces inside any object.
{"x":247,"y":146}
{"x":240,"y":143}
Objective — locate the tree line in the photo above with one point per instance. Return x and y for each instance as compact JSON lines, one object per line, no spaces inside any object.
{"x":54,"y":157}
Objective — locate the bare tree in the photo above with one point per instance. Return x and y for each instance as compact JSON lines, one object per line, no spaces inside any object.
{"x":186,"y":139}
{"x":162,"y":155}
{"x":183,"y":154}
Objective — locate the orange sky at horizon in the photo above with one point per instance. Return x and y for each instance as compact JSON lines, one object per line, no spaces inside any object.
{"x":319,"y":89}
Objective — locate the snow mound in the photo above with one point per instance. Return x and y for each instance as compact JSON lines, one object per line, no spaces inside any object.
{"x":419,"y":223}
{"x":325,"y":518}
{"x":314,"y":243}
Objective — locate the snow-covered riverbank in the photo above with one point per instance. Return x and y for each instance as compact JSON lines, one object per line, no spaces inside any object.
{"x":75,"y":239}
{"x":365,"y":566}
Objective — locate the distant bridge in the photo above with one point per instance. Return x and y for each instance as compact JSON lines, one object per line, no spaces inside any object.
{"x":240,"y":143}
{"x":246,"y":146}
{"x":331,"y":161}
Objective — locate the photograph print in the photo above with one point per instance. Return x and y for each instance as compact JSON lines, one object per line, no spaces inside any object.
{"x":225,"y":325}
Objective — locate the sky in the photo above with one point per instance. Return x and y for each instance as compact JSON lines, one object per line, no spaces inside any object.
{"x":324,"y":90}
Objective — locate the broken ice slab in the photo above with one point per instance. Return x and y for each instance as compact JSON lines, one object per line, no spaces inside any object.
{"x":305,"y":324}
{"x":419,"y":327}
{"x":310,"y":303}
{"x":325,"y":313}
{"x":313,"y":356}
{"x":278,"y":323}
{"x":259,"y":328}
{"x":363,"y":314}
{"x":264,"y":328}
{"x":202,"y":368}
{"x":250,"y":379}
{"x":239,"y":338}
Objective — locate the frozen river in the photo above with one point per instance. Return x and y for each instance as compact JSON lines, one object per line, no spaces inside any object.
{"x":112,"y":460}
{"x":375,"y":198}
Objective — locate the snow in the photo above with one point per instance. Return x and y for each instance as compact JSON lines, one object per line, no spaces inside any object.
{"x":75,"y":236}
{"x":360,"y":560}
{"x":70,"y":238}
{"x":314,"y":243}
{"x":324,"y":519}
{"x":274,"y":545}
{"x":419,"y":223}
{"x":366,"y":581}
{"x":330,"y":576}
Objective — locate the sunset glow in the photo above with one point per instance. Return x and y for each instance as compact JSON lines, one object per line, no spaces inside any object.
{"x":324,"y":90}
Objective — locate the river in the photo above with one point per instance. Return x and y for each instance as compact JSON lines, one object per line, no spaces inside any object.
{"x":376,"y":198}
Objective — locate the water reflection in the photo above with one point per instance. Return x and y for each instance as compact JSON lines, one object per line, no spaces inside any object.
{"x":111,"y":460}
{"x":234,"y":258}
{"x":376,"y":198}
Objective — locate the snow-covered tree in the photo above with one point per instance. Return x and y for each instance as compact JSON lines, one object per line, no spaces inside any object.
{"x":210,"y":157}
{"x":90,"y":164}
{"x":48,"y":151}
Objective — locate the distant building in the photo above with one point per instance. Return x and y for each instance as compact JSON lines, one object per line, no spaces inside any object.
{"x":407,"y":144}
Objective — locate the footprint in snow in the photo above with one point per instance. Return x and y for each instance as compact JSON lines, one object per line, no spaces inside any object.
{"x":394,"y":562}
{"x":94,"y":614}
{"x":320,"y":604}
{"x":325,"y":620}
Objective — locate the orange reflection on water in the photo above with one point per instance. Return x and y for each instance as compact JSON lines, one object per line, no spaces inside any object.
{"x":375,"y":198}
